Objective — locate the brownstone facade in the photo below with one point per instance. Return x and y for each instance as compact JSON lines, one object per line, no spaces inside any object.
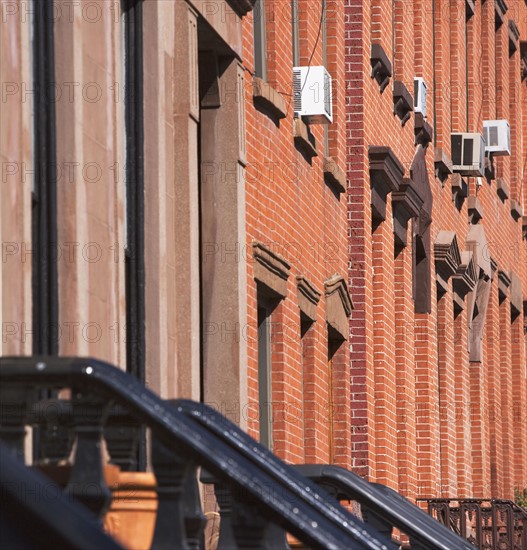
{"x":334,"y":288}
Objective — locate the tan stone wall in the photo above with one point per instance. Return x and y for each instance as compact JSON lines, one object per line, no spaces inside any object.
{"x":16,"y":182}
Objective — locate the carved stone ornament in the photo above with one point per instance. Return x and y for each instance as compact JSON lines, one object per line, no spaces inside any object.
{"x":338,"y":305}
{"x":447,"y":259}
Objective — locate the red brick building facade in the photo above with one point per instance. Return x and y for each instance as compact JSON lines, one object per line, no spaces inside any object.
{"x":337,"y":289}
{"x":432,"y":415}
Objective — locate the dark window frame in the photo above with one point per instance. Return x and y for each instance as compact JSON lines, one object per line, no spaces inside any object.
{"x":260,"y":40}
{"x":45,"y":301}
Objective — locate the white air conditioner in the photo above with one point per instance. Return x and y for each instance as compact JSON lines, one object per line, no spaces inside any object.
{"x":312,"y":94}
{"x":468,"y":154}
{"x":420,"y":95}
{"x":497,"y":134}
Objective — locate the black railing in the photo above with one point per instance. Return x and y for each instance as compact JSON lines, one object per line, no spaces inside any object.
{"x":486,"y":523}
{"x":280,"y":495}
{"x":260,"y":497}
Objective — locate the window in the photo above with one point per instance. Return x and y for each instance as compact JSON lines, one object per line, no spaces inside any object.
{"x":134,"y":188}
{"x":296,"y":34}
{"x":324,"y":38}
{"x":264,"y":374}
{"x":260,"y":40}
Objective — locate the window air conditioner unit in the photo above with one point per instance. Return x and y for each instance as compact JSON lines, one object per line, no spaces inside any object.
{"x":420,"y":95}
{"x":312,"y":94}
{"x":497,"y":134}
{"x":468,"y":154}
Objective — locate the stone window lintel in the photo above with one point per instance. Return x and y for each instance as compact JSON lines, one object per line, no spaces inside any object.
{"x":464,"y":280}
{"x":241,"y":7}
{"x":386,"y":174}
{"x":381,"y":67}
{"x":270,"y":269}
{"x":447,"y":258}
{"x":407,"y":203}
{"x":423,"y":132}
{"x":442,"y":164}
{"x":504,"y":282}
{"x":402,"y":102}
{"x":514,"y":37}
{"x":338,"y":305}
{"x":308,"y":297}
{"x":516,"y":296}
{"x":500,"y":9}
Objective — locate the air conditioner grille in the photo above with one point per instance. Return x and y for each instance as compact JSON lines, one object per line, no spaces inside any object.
{"x":456,"y":149}
{"x":297,"y":90}
{"x":468,"y":150}
{"x":327,"y":94}
{"x":493,"y":136}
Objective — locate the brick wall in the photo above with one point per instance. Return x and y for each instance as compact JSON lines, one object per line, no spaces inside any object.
{"x":426,"y":420}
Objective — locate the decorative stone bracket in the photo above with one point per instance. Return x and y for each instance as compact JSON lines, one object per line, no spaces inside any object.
{"x":514,"y":37}
{"x":334,"y":176}
{"x":459,"y":190}
{"x":490,"y":172}
{"x":386,"y":174}
{"x":381,"y":67}
{"x":423,"y":132}
{"x":470,"y":9}
{"x":475,"y":210}
{"x":523,"y":61}
{"x":338,"y":306}
{"x":308,"y":298}
{"x":464,"y":280}
{"x":516,"y":297}
{"x":504,"y":282}
{"x":241,"y":7}
{"x":442,"y":164}
{"x":447,"y":259}
{"x":502,"y":189}
{"x":402,"y":102}
{"x":516,"y":210}
{"x":406,"y":204}
{"x":478,"y":299}
{"x":500,"y":10}
{"x":270,"y":269}
{"x":304,"y":142}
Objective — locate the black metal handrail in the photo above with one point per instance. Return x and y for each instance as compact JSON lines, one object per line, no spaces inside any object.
{"x":35,"y":515}
{"x":384,"y":507}
{"x":486,"y":523}
{"x":293,"y":502}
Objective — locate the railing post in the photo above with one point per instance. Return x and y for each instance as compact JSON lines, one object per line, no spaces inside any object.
{"x":14,"y":403}
{"x":241,"y":525}
{"x":122,"y":433}
{"x":87,"y":483}
{"x":54,"y":419}
{"x":180,"y":522}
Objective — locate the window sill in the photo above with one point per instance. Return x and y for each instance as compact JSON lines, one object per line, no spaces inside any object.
{"x":333,"y":175}
{"x":268,"y":99}
{"x":303,"y":140}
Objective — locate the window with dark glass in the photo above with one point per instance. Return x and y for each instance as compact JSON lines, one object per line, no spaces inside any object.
{"x":260,"y":40}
